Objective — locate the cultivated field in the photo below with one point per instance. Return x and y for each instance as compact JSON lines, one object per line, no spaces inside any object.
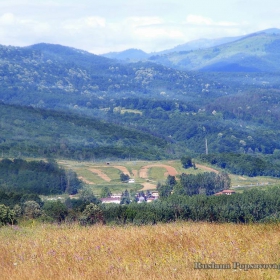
{"x":147,"y":174}
{"x":166,"y":251}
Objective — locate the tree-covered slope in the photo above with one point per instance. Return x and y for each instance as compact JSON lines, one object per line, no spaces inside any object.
{"x":27,"y":131}
{"x":153,"y":105}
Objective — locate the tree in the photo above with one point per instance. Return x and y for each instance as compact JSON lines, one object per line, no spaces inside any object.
{"x":87,"y":196}
{"x":124,"y":177}
{"x":56,"y":210}
{"x":92,"y":214}
{"x":6,"y":215}
{"x":125,"y":198}
{"x":186,"y":162}
{"x":164,"y":190}
{"x":31,"y":209}
{"x":18,"y":210}
{"x":171,"y":181}
{"x":105,"y":192}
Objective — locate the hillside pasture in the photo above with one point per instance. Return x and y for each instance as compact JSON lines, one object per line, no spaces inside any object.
{"x":148,"y":173}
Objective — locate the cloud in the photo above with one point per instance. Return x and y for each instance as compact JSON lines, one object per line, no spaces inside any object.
{"x":200,"y":20}
{"x":7,"y":19}
{"x":115,"y":25}
{"x":81,"y":24}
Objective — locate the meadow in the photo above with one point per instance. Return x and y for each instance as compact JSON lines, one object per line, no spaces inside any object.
{"x":163,"y":251}
{"x":99,"y":174}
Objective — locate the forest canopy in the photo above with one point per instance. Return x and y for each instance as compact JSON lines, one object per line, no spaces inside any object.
{"x":37,"y":177}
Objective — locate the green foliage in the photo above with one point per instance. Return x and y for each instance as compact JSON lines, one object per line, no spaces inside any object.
{"x":12,"y":198}
{"x":56,"y":210}
{"x":105,"y":192}
{"x":204,"y":183}
{"x":124,"y":177}
{"x":186,"y":161}
{"x":36,"y":177}
{"x":171,"y":180}
{"x":125,"y":198}
{"x":244,"y":164}
{"x":251,"y":206}
{"x":164,"y":190}
{"x":92,"y":214}
{"x":44,"y":133}
{"x":31,"y":209}
{"x":7,"y":216}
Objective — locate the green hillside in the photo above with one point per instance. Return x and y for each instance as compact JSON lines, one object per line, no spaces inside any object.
{"x":33,"y":132}
{"x":257,"y":52}
{"x":83,"y":106}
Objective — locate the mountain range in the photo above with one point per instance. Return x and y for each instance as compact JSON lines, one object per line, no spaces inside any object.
{"x":250,"y":53}
{"x":66,"y":102}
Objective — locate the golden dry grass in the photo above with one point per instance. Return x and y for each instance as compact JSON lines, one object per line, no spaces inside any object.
{"x":165,"y":251}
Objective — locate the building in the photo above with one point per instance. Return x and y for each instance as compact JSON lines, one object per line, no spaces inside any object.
{"x":111,"y":200}
{"x":226,"y":192}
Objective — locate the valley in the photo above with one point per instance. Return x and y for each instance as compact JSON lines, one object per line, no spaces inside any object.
{"x":139,"y":140}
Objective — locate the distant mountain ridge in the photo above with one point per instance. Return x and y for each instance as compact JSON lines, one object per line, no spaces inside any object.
{"x":256,"y":52}
{"x":128,"y":55}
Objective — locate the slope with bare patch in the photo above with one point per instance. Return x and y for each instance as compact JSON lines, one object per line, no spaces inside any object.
{"x":99,"y":173}
{"x":148,"y":186}
{"x":143,"y":173}
{"x":123,"y":169}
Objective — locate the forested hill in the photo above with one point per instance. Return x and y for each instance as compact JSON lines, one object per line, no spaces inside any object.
{"x":54,"y":76}
{"x":33,"y":132}
{"x":150,"y":111}
{"x":51,"y":76}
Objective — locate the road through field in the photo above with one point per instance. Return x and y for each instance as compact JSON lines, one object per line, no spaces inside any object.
{"x":206,"y":168}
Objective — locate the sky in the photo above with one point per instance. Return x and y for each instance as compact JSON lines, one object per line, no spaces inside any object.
{"x":115,"y":25}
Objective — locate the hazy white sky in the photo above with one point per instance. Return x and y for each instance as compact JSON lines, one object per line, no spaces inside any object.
{"x":115,"y":25}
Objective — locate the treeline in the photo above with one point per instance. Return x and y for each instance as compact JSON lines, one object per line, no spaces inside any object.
{"x":16,"y":206}
{"x":243,"y":164}
{"x":36,"y":177}
{"x":250,"y":206}
{"x":207,"y":183}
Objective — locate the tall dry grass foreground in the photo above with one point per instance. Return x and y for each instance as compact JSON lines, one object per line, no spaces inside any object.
{"x":166,"y":251}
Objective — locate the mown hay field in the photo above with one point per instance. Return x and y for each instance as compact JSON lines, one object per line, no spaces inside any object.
{"x":163,"y":251}
{"x":99,"y":174}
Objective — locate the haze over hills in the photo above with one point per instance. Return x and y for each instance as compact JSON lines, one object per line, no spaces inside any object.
{"x":128,"y":55}
{"x":137,"y":55}
{"x":251,"y":53}
{"x":174,"y":109}
{"x":258,"y":52}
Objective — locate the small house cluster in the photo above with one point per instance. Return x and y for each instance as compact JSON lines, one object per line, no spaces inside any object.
{"x":148,"y":197}
{"x":226,"y":192}
{"x":114,"y":198}
{"x":139,"y":197}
